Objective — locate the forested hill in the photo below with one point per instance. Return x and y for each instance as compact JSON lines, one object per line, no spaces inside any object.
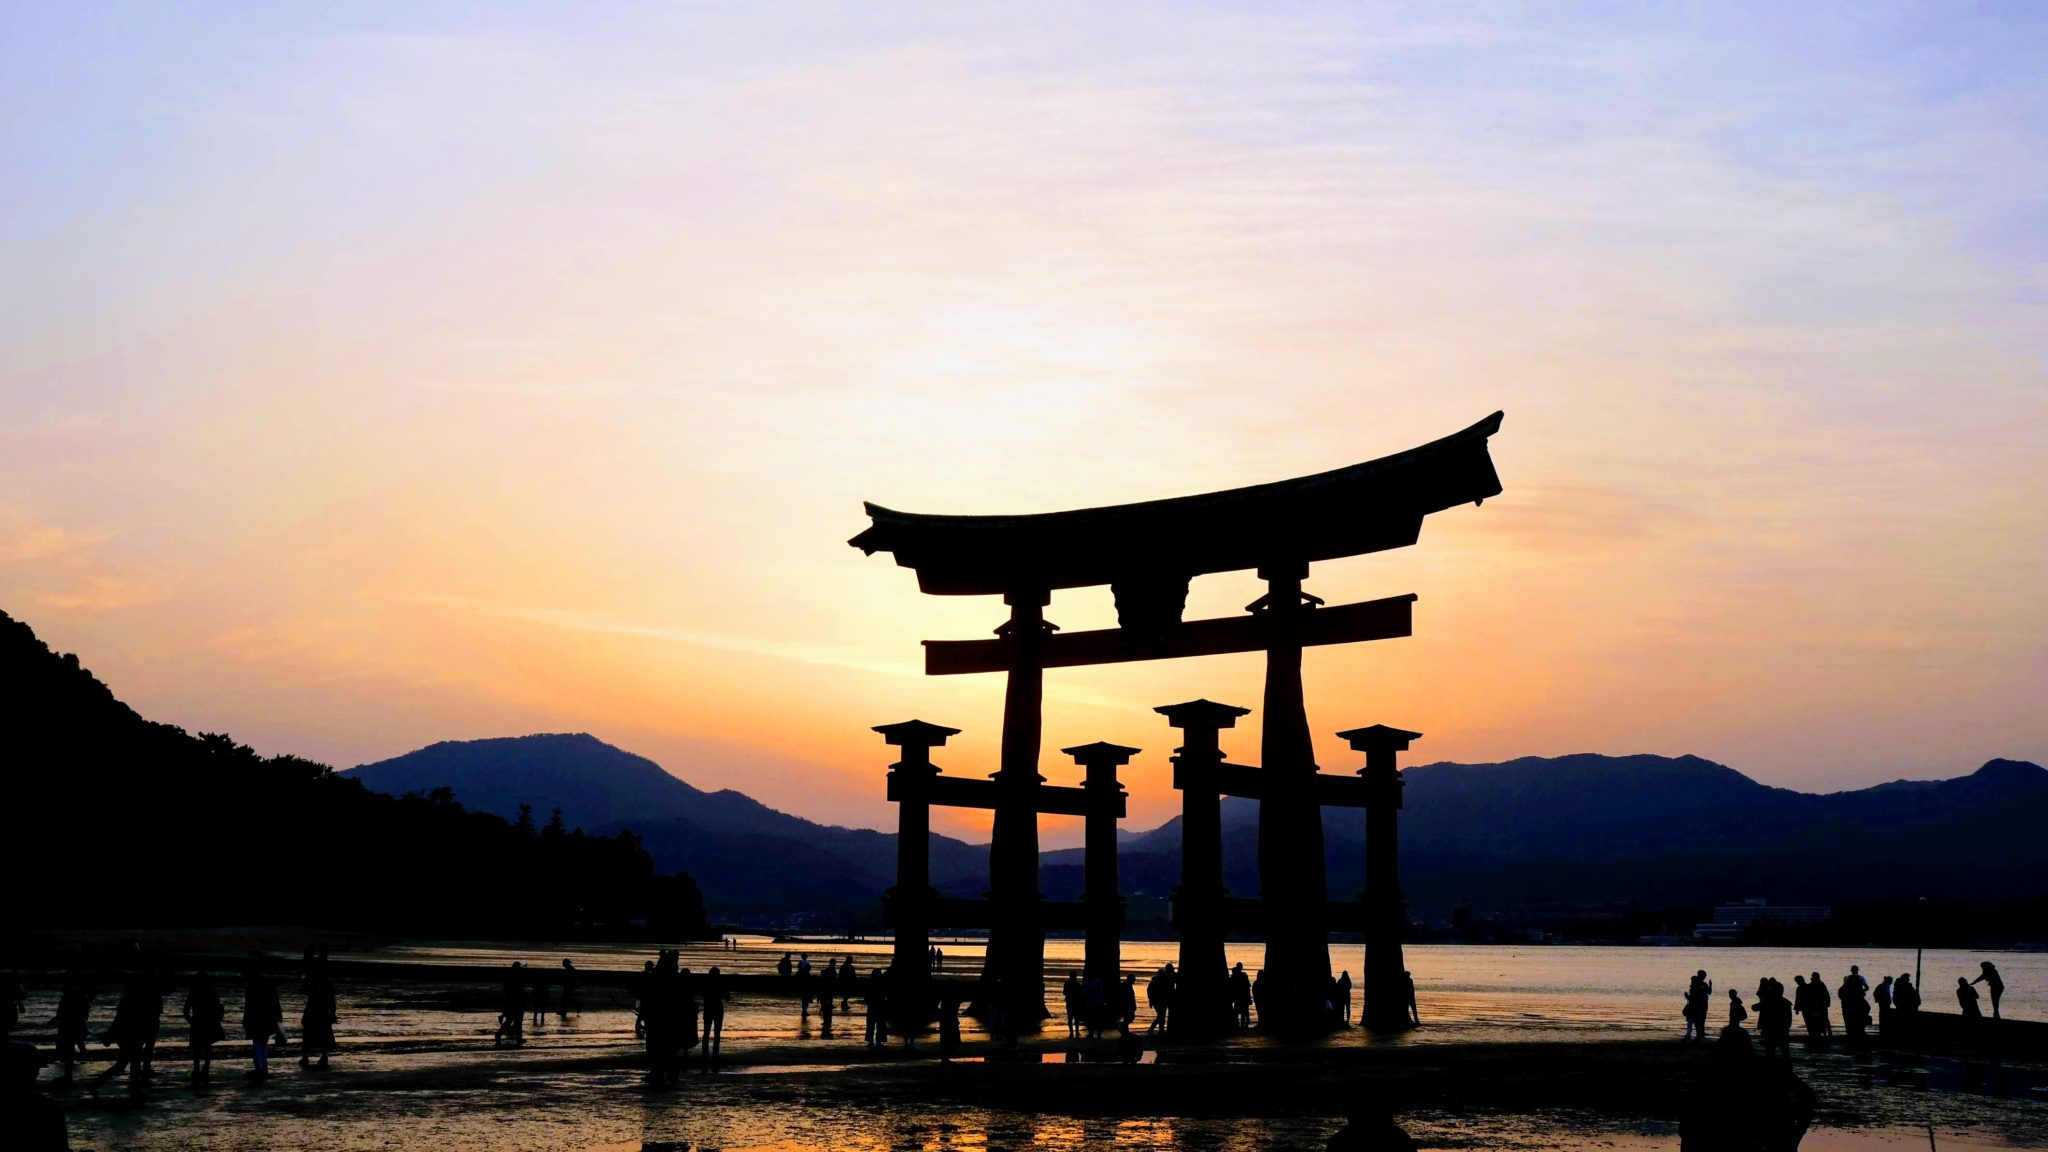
{"x":115,"y":820}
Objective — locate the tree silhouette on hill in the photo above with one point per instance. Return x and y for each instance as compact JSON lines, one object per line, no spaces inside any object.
{"x":116,"y":820}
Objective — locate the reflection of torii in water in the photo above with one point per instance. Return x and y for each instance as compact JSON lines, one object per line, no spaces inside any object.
{"x":1147,"y":553}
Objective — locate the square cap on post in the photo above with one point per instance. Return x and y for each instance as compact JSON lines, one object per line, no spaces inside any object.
{"x":1202,"y":714}
{"x":915,"y":734}
{"x":1379,"y":738}
{"x":1101,"y":752}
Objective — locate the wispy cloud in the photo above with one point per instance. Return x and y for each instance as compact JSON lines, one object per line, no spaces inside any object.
{"x":802,"y":652}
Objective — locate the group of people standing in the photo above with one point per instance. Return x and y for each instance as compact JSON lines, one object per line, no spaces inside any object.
{"x":1896,"y":999}
{"x":667,"y":1001}
{"x":139,"y":1013}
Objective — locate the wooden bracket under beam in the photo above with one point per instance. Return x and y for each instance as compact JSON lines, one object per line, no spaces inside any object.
{"x":1386,"y":619}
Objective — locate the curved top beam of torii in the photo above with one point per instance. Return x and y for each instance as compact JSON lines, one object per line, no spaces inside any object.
{"x":1366,"y":507}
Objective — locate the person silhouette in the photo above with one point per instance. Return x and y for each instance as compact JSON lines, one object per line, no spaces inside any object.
{"x":659,"y":1008}
{"x":1240,"y":995}
{"x":1736,"y":1012}
{"x":1855,"y":1006}
{"x":1773,"y":1017}
{"x":684,"y":1011}
{"x":714,"y":1017}
{"x":1993,"y":983}
{"x":1882,"y":995}
{"x":1408,"y":989}
{"x":827,"y":997}
{"x":205,"y":1018}
{"x":539,"y":1000}
{"x":949,"y":1029}
{"x":262,"y":1018}
{"x":1159,"y":994}
{"x":1070,"y":1001}
{"x":137,"y":1017}
{"x":32,"y":1121}
{"x":1905,"y":997}
{"x":512,"y":1009}
{"x":1340,"y":995}
{"x":1094,"y":1006}
{"x":1371,"y":1129}
{"x":878,"y":1008}
{"x":317,"y":1019}
{"x":567,"y":1003}
{"x":783,"y":967}
{"x":803,"y":985}
{"x":1129,"y":1009}
{"x":846,"y":979}
{"x":639,"y":993}
{"x":72,"y":1022}
{"x":1699,"y":993}
{"x":1818,"y":1023}
{"x":1967,"y":997}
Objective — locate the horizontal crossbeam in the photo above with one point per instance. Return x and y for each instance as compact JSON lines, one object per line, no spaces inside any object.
{"x":1254,"y":783}
{"x":1386,"y":619}
{"x":1049,"y":799}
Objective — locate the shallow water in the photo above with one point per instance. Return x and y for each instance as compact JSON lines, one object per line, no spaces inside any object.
{"x":417,"y":1068}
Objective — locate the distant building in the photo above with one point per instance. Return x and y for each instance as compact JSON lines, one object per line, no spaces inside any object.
{"x":1732,"y":920}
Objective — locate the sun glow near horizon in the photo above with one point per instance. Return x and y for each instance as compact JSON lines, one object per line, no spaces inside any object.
{"x":366,"y":382}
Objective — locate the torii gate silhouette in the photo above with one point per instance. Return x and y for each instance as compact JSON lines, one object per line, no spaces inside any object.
{"x":1148,"y":553}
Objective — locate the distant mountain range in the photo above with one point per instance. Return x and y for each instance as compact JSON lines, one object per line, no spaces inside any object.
{"x":1534,"y":832}
{"x":750,"y":859}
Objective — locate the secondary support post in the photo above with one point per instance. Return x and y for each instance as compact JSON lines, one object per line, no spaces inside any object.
{"x":1200,"y":1001}
{"x":1293,"y":886}
{"x":907,"y":906}
{"x":1385,"y":982}
{"x":1103,"y":903}
{"x":1016,"y":939}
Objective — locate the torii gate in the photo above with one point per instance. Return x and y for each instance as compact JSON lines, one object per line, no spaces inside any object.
{"x":1147,"y":553}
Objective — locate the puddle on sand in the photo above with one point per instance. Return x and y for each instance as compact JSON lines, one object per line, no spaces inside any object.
{"x":1149,"y":1056}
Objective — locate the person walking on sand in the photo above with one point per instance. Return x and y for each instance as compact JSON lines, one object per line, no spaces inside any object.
{"x":1070,"y":1003}
{"x":878,"y":1008}
{"x":1882,"y":996}
{"x":1819,"y":1024}
{"x":803,"y":985}
{"x":1993,"y":983}
{"x":316,"y":1021}
{"x":714,"y":1017}
{"x":567,"y":1003}
{"x":137,"y":1017}
{"x":512,"y":1009}
{"x":72,"y":1022}
{"x":1159,"y":994}
{"x":262,"y":1018}
{"x":205,"y":1020}
{"x":846,"y":987}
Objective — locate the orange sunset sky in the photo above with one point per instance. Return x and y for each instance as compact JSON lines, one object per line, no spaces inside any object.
{"x":382,"y":376}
